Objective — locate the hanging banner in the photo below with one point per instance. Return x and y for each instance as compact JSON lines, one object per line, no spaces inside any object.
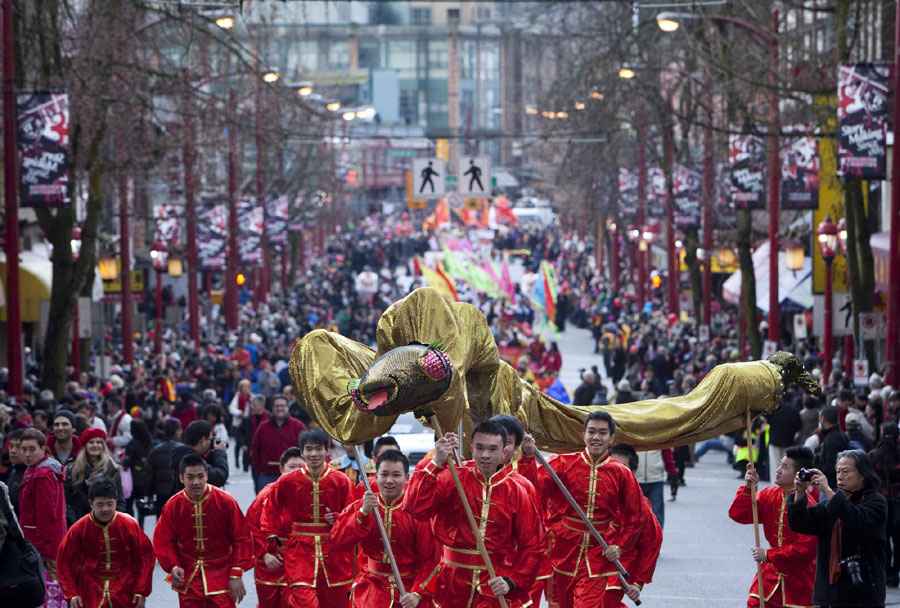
{"x":800,"y":171}
{"x":276,"y":218}
{"x":250,"y":223}
{"x":862,"y":120}
{"x":656,"y":193}
{"x":724,"y":216}
{"x":628,"y":194}
{"x":212,"y":222}
{"x":747,"y":153}
{"x":167,"y":219}
{"x":43,"y":129}
{"x":686,"y":186}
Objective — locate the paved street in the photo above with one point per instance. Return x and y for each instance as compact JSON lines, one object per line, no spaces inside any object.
{"x":705,"y":559}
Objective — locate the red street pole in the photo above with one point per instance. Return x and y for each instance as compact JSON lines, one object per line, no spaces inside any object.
{"x":642,"y":200}
{"x":157,"y":333}
{"x":259,"y":295}
{"x":231,"y":294}
{"x":671,"y":257}
{"x":892,"y":347}
{"x":614,"y":258}
{"x":827,"y":347}
{"x":774,"y":179}
{"x":708,"y":190}
{"x":125,"y":249}
{"x":11,"y":193}
{"x":284,"y":268}
{"x":190,"y":211}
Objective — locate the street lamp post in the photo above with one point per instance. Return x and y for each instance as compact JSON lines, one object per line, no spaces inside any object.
{"x":826,"y":237}
{"x":848,"y":339}
{"x":642,"y":197}
{"x":231,"y":293}
{"x":159,"y":256}
{"x":76,"y":345}
{"x":669,"y":22}
{"x":671,"y":256}
{"x":613,"y":256}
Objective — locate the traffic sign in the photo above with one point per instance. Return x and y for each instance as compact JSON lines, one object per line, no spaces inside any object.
{"x":704,"y":333}
{"x":861,"y":372}
{"x":428,"y":178}
{"x":841,"y":316}
{"x":769,"y":348}
{"x":872,"y":324}
{"x":474,"y":176}
{"x":800,"y":332}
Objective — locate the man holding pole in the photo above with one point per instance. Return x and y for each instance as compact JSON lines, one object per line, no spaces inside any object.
{"x":411,"y":540}
{"x":301,"y":507}
{"x":789,"y":565}
{"x":609,"y":496}
{"x":506,"y":520}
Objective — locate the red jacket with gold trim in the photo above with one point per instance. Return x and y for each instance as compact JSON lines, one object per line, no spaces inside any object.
{"x":507,"y":516}
{"x":207,"y":537}
{"x":295,"y":510}
{"x":412,"y":544}
{"x":790,"y":569}
{"x":608,"y":493}
{"x":105,"y":564}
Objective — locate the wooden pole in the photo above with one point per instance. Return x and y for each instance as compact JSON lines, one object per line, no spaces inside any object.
{"x":479,"y":540}
{"x":759,"y":576}
{"x":622,"y":574}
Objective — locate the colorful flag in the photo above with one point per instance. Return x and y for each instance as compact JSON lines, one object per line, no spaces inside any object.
{"x":481,"y":280}
{"x":550,"y":290}
{"x":455,"y":268}
{"x":439,"y":282}
{"x":506,"y":284}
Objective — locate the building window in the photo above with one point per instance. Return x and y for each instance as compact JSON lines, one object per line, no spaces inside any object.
{"x":453,"y":15}
{"x":338,"y":55}
{"x":421,"y":16}
{"x":483,"y":13}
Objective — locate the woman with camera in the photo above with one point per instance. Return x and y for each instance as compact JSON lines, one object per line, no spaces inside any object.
{"x":850,"y":524}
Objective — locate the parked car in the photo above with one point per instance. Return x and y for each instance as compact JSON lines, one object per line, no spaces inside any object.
{"x":415,"y":439}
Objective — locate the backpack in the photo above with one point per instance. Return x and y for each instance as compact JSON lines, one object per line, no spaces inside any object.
{"x":22,"y":572}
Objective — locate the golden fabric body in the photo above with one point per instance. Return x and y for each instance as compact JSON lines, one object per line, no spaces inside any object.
{"x":323,"y":363}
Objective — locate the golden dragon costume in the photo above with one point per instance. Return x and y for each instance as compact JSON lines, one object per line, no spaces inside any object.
{"x":356,"y":393}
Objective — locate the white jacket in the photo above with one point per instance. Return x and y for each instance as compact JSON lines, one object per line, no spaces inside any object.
{"x":651,"y":467}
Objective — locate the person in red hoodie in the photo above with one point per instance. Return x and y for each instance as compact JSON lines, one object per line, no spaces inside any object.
{"x":42,"y":501}
{"x":271,"y":439}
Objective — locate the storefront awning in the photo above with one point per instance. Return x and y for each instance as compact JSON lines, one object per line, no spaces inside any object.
{"x":790,"y":283}
{"x":35,"y":279}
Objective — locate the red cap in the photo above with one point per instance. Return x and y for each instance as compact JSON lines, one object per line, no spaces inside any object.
{"x":92,"y":433}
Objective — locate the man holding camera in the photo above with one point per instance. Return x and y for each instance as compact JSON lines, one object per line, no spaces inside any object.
{"x":788,"y":566}
{"x":198,"y":439}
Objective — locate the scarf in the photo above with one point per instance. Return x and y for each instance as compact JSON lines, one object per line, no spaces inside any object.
{"x":834,"y":562}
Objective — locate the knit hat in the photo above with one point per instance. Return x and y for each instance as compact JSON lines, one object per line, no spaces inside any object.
{"x":65,"y":414}
{"x":92,"y":433}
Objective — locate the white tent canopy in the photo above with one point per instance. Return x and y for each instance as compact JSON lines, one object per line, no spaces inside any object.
{"x":792,"y":285}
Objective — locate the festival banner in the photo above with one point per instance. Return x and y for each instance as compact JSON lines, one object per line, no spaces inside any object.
{"x":628,"y":194}
{"x":276,"y":218}
{"x":862,"y":120}
{"x":747,"y":153}
{"x":250,"y":225}
{"x":167,"y":221}
{"x":686,"y":185}
{"x":656,"y":193}
{"x":212,"y":232}
{"x":800,"y":170}
{"x":43,"y":129}
{"x":724,"y":215}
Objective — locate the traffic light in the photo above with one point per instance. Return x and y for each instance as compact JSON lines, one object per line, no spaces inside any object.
{"x":656,"y":281}
{"x":240,"y":279}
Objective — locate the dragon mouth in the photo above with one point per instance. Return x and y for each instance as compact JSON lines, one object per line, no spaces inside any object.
{"x":374,"y":395}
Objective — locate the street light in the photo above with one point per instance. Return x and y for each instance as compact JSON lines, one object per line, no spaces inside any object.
{"x":794,"y":256}
{"x":848,"y":339}
{"x":627,"y":72}
{"x":304,"y":89}
{"x":333,"y":106}
{"x":596,"y":95}
{"x":271,"y":76}
{"x":613,"y":254}
{"x":579,"y":105}
{"x":159,"y":257}
{"x":226,"y":22}
{"x":76,"y":345}
{"x":108,"y":268}
{"x":668,"y":21}
{"x":827,"y":237}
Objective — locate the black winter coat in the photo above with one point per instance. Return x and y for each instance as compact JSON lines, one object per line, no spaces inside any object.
{"x":863,"y":518}
{"x":216,"y":466}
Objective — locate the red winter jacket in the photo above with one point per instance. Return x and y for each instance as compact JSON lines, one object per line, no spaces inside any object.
{"x":42,"y":506}
{"x":270,"y":441}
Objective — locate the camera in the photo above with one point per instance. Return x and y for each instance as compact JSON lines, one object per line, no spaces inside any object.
{"x":220,"y":441}
{"x":805,"y":475}
{"x":853,"y":569}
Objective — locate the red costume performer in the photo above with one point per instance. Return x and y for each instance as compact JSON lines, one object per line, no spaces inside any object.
{"x":271,"y":585}
{"x":295,"y":509}
{"x":411,"y":542}
{"x":509,"y":522}
{"x":105,"y":565}
{"x":789,"y":571}
{"x":608,"y":493}
{"x":640,"y":563}
{"x":208,"y":538}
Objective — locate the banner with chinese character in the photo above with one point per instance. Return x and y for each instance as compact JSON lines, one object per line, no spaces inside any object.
{"x":747,"y":154}
{"x":862,"y":120}
{"x":686,"y":185}
{"x":628,"y":194}
{"x":167,"y":220}
{"x":212,"y":232}
{"x":800,"y":170}
{"x":43,"y":129}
